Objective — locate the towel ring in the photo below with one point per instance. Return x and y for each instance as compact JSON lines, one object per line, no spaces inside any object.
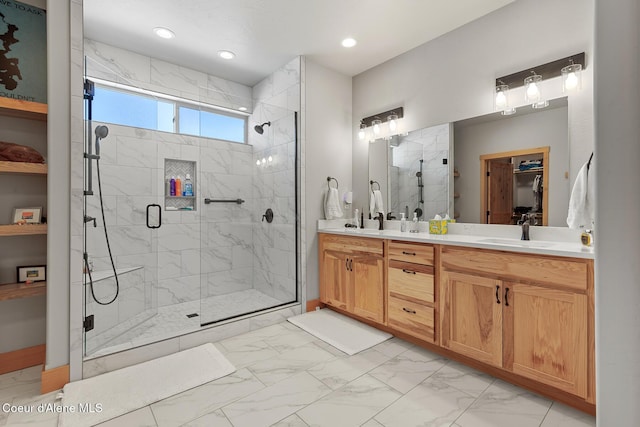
{"x":329,"y":182}
{"x":374,"y":182}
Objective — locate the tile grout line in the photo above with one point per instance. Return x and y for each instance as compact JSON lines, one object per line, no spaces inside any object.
{"x":547,"y":413}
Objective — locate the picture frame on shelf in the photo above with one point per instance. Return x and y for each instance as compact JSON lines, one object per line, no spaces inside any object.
{"x":27,"y":215}
{"x":31,"y":273}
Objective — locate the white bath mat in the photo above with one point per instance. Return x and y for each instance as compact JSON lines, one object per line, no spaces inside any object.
{"x":116,"y":393}
{"x":342,"y":332}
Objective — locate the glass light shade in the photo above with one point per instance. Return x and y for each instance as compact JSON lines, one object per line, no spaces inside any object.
{"x":532,"y":89}
{"x":361,"y":132}
{"x":501,"y":99}
{"x":393,"y":122}
{"x":508,"y":111}
{"x":376,"y":126}
{"x":571,"y":78}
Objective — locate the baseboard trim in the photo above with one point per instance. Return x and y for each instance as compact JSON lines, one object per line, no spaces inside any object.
{"x":54,"y":379}
{"x":312,"y":304}
{"x":23,"y":358}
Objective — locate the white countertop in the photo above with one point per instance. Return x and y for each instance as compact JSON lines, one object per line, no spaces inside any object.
{"x":557,"y":241}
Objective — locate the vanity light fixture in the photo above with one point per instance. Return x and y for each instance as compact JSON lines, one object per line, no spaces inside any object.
{"x":226,"y":54}
{"x":569,"y":68}
{"x":164,"y":33}
{"x":383,"y":125}
{"x":501,"y":99}
{"x":571,"y":77}
{"x":361,"y":131}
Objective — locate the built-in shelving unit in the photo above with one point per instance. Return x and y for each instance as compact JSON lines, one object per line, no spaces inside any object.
{"x":22,"y":230}
{"x":24,"y":109}
{"x":23,"y":168}
{"x":532,"y":170}
{"x":22,"y":290}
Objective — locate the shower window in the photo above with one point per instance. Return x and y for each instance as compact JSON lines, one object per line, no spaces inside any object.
{"x":142,"y":110}
{"x":208,"y":124}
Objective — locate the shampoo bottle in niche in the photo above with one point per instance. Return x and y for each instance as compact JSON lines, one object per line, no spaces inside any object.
{"x":403,"y":222}
{"x":188,"y":186}
{"x":172,"y":186}
{"x":178,"y":186}
{"x":414,"y":228}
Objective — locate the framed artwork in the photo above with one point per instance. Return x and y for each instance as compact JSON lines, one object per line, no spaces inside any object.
{"x":32,"y":273}
{"x":27,"y":215}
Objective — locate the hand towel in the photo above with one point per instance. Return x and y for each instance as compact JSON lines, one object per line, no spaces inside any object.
{"x":332,"y":209}
{"x":376,"y":205}
{"x":372,"y":205}
{"x":582,"y":203}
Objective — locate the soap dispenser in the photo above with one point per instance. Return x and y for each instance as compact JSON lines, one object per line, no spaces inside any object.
{"x":414,"y":229}
{"x":403,"y":222}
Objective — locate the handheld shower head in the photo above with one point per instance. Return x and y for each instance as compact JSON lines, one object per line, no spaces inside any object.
{"x":260,"y":128}
{"x":101,"y":133}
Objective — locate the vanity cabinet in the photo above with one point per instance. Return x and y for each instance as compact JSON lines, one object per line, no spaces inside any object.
{"x":411,"y":290}
{"x":352,"y":275}
{"x":527,"y":314}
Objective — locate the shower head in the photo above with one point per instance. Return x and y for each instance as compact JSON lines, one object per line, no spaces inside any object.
{"x":260,"y":128}
{"x":101,"y":133}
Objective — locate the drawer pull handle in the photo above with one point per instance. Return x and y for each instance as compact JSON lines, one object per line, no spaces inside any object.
{"x":506,"y":297}
{"x":408,"y":311}
{"x":408,"y":271}
{"x":408,"y":253}
{"x":498,"y":294}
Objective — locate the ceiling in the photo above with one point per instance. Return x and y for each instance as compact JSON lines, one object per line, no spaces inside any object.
{"x":266,"y":34}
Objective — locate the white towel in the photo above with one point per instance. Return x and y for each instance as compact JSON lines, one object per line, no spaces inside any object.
{"x":582,"y":203}
{"x":332,"y":209}
{"x":375,"y":203}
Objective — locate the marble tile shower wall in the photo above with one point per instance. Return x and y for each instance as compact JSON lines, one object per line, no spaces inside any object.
{"x":132,"y":169}
{"x":122,"y":66}
{"x":431,"y":145}
{"x":275,"y":100}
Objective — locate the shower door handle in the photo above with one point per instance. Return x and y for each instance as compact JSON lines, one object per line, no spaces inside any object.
{"x":154,"y":205}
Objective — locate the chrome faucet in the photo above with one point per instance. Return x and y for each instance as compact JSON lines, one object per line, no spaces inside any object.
{"x":380,"y":219}
{"x":526,"y":221}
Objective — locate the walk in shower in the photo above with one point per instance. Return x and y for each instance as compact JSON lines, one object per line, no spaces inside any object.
{"x":186,"y":260}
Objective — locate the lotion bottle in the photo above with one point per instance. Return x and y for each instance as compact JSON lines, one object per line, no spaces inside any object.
{"x":403,"y":222}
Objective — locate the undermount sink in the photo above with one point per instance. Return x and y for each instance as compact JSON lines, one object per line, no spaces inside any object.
{"x":520,"y":243}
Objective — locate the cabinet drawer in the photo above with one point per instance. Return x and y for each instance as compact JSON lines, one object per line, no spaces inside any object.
{"x":411,"y":252}
{"x":411,"y":318}
{"x":527,"y":268}
{"x":411,"y":281}
{"x":350,"y":244}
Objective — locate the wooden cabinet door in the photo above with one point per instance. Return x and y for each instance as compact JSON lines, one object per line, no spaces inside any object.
{"x":545,"y":336}
{"x":472,"y":316}
{"x":333,"y":286}
{"x":367,"y":285}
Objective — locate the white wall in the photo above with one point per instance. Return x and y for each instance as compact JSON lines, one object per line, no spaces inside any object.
{"x":546,"y":127}
{"x":452,"y":78}
{"x":617,"y":90}
{"x":327,"y":152}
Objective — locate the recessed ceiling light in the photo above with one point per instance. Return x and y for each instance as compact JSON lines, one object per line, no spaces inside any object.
{"x":242,"y":108}
{"x":349,"y":42}
{"x":165,"y":33}
{"x":226,"y":54}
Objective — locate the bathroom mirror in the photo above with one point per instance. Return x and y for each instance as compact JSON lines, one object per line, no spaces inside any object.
{"x":394,"y":163}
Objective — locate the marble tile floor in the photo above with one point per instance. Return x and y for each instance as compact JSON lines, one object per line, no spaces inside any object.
{"x":171,"y":321}
{"x":286,"y":377}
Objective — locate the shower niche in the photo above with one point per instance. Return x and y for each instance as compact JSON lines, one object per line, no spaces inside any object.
{"x":177,"y":196}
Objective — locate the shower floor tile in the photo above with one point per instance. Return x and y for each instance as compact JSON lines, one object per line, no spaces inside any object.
{"x":171,"y":321}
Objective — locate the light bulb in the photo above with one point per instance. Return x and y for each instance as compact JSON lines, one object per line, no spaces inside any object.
{"x":532,"y":91}
{"x":258,"y":162}
{"x":571,"y":82}
{"x":393,"y":125}
{"x":270,"y":159}
{"x":264,"y":160}
{"x":501,"y":100}
{"x":376,"y":127}
{"x":361,"y":134}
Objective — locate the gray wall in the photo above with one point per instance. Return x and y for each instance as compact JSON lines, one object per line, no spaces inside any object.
{"x":452,"y":77}
{"x":617,"y":63}
{"x":327,"y":152}
{"x":546,"y":127}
